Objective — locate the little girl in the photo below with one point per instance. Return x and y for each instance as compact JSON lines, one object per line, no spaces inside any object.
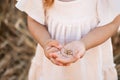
{"x":73,"y":38}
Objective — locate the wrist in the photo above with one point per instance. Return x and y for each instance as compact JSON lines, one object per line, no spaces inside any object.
{"x":83,"y":43}
{"x":116,"y":21}
{"x":46,"y":42}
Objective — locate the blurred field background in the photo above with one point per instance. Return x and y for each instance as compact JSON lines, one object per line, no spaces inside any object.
{"x":17,"y":47}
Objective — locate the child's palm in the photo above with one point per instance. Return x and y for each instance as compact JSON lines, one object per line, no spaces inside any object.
{"x":72,"y":52}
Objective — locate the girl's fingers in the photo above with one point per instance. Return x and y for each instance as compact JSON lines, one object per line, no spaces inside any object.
{"x":66,"y":60}
{"x":55,"y":44}
{"x":52,"y":50}
{"x":78,"y":55}
{"x":67,"y":64}
{"x":47,"y":48}
{"x":56,"y":62}
{"x":69,"y":60}
{"x":53,"y":55}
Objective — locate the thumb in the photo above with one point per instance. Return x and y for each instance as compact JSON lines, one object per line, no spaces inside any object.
{"x":80,"y":55}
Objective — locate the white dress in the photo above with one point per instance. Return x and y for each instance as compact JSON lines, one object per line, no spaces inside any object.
{"x":69,"y":21}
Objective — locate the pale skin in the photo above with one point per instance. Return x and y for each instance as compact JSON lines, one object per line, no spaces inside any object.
{"x":51,"y":47}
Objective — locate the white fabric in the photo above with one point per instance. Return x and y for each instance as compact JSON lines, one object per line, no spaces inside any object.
{"x":69,"y":21}
{"x":107,"y":10}
{"x":33,"y":8}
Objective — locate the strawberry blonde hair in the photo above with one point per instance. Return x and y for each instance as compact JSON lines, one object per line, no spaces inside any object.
{"x":47,"y":3}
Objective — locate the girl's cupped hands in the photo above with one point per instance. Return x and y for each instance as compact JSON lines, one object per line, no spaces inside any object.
{"x":71,"y":52}
{"x":64,"y":55}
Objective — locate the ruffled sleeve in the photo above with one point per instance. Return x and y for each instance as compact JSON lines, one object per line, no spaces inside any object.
{"x":34,"y":8}
{"x":107,"y":10}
